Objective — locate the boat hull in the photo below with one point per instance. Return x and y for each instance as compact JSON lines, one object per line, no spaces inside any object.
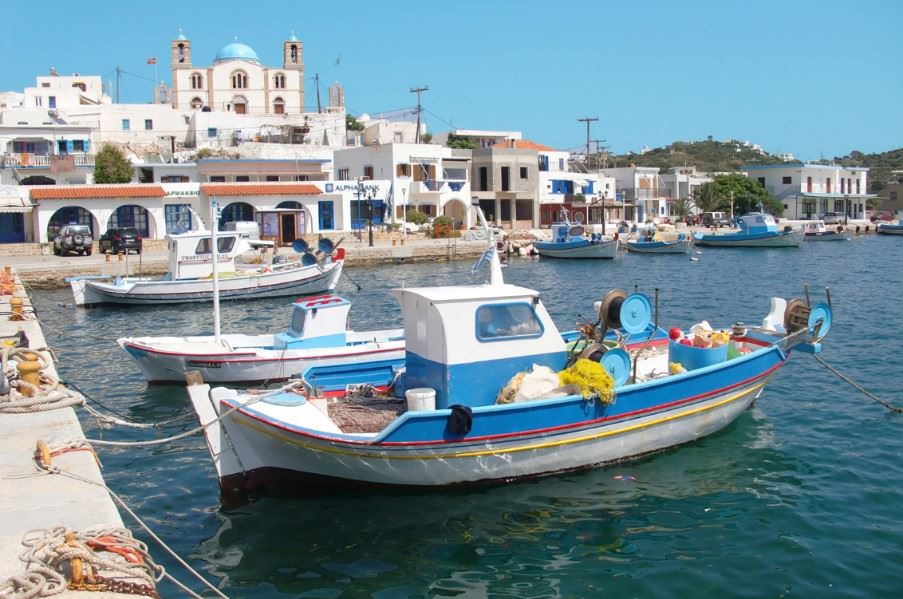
{"x":506,"y":442}
{"x":828,"y":236}
{"x":890,"y":229}
{"x":578,"y":250}
{"x":754,"y":240}
{"x":252,"y":359}
{"x":680,"y":246}
{"x":297,"y":281}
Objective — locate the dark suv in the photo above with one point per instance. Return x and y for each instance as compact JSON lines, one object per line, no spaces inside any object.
{"x":119,"y":240}
{"x":73,"y":238}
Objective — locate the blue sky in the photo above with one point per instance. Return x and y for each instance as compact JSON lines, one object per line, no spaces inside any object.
{"x":816,"y":78}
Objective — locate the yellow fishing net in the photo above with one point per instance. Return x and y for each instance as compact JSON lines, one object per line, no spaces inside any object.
{"x":592,"y":379}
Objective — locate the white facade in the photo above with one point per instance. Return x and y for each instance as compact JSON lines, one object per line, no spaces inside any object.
{"x":644,"y":188}
{"x":428,"y":177}
{"x":810,"y":190}
{"x":681,"y":182}
{"x":583,"y":192}
{"x":226,"y":130}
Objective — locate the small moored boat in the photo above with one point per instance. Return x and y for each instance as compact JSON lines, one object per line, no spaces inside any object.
{"x":569,"y":240}
{"x":680,"y":245}
{"x":464,"y":347}
{"x":190,"y":275}
{"x":817,"y":231}
{"x":891,"y":228}
{"x":756,"y":230}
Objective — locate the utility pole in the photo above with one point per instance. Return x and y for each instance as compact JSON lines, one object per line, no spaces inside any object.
{"x":118,"y":78}
{"x":418,"y":90}
{"x":588,"y":120}
{"x":600,"y":158}
{"x":317,"y":83}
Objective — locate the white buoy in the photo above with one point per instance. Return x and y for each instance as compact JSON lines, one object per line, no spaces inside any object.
{"x":692,"y":259}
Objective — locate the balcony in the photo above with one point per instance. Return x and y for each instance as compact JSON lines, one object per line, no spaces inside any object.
{"x":23,"y":160}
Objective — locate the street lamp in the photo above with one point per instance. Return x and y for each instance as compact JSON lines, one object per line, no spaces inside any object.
{"x":370,"y":215}
{"x":358,"y":190}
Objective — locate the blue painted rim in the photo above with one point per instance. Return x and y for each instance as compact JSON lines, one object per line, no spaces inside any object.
{"x":300,"y":246}
{"x":821,"y":312}
{"x":636,"y":313}
{"x":617,"y":363}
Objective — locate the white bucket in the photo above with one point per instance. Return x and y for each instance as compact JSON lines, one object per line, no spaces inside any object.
{"x":422,"y":398}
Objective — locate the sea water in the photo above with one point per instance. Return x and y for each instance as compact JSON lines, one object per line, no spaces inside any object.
{"x":801,"y":496}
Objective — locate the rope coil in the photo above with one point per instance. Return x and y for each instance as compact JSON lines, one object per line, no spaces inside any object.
{"x":24,"y":397}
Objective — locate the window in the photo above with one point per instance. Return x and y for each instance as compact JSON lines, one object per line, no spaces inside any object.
{"x":484,"y":178}
{"x":148,"y":124}
{"x":178,"y":218}
{"x":278,"y":106}
{"x":239,"y":80}
{"x":293,"y":54}
{"x":561,"y":164}
{"x":196,"y":104}
{"x":78,"y":145}
{"x":279,"y":81}
{"x":217,"y":179}
{"x":523,"y":172}
{"x":126,"y":124}
{"x":211,"y":132}
{"x":368,"y":172}
{"x":45,"y":85}
{"x":344,"y":175}
{"x":51,"y":101}
{"x":38,"y":101}
{"x":403,"y":170}
{"x":181,"y":52}
{"x":224,"y":245}
{"x":499,"y":322}
{"x":857,"y":185}
{"x":197,"y":81}
{"x":506,"y":178}
{"x":301,"y":178}
{"x":242,"y":178}
{"x":809,"y":184}
{"x":272,"y":177}
{"x":326,"y":215}
{"x":398,"y":137}
{"x":828,"y":185}
{"x":787,"y":180}
{"x":842,"y":185}
{"x":174,"y":179}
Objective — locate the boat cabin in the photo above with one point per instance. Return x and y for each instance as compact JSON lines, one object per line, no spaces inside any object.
{"x":317,"y":322}
{"x":466,"y":342}
{"x":758,"y":222}
{"x":190,"y":253}
{"x":566,"y":231}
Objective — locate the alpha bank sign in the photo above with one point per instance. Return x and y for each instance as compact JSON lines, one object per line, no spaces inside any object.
{"x":351,"y":186}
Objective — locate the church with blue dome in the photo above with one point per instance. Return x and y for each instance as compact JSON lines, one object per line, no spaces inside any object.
{"x":236,"y":81}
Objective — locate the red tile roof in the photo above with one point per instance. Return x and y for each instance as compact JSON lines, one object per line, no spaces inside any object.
{"x":259,"y":189}
{"x":523,"y":144}
{"x":67,"y":192}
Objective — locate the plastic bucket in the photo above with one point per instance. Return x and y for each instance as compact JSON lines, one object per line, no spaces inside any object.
{"x":421,"y":398}
{"x":692,"y":358}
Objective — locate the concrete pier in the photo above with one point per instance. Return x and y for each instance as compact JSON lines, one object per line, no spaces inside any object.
{"x":43,"y":501}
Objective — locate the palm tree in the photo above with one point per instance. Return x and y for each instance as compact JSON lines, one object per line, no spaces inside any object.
{"x":706,"y":199}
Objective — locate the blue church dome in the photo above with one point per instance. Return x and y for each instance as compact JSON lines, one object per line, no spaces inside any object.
{"x":236,"y":51}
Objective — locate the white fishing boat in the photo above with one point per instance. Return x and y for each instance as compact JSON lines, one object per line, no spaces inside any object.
{"x":466,"y":348}
{"x":190,"y":275}
{"x":679,"y":245}
{"x":316,"y":343}
{"x":569,"y":240}
{"x":817,"y":231}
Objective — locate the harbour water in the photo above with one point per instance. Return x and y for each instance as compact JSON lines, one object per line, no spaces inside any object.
{"x":800,"y":497}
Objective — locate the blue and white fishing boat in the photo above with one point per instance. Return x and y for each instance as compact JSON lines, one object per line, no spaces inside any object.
{"x":817,"y":231}
{"x":891,"y":228}
{"x":464,"y":345}
{"x":317,"y":338}
{"x":569,"y":240}
{"x":680,"y":245}
{"x":757,"y":229}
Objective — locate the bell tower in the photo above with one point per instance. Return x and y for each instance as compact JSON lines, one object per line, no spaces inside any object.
{"x":292,"y":53}
{"x":181,"y":52}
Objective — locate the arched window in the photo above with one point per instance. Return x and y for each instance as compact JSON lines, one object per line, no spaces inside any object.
{"x":236,"y":211}
{"x":278,"y":106}
{"x":293,"y":54}
{"x":279,"y":81}
{"x":197,"y":81}
{"x":196,"y":103}
{"x":130,"y":216}
{"x":181,"y":52}
{"x":239,"y":80}
{"x":69,"y":215}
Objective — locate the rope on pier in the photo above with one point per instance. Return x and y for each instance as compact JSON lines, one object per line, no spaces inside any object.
{"x":45,"y":393}
{"x":846,"y":379}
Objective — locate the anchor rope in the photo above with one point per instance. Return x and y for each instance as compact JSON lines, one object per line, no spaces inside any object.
{"x":24,"y":397}
{"x":120,"y":418}
{"x":850,"y":382}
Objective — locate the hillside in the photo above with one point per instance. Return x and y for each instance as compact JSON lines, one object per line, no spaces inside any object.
{"x":716,"y":156}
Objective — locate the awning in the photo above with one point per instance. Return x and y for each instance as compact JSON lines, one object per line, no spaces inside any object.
{"x":15,"y":204}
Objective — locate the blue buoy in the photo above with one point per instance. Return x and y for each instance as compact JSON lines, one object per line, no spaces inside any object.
{"x":300,"y":246}
{"x":636,"y":313}
{"x":617,"y":363}
{"x":822,"y":312}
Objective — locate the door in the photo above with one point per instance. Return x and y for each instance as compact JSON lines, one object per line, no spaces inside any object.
{"x":327,"y":221}
{"x":287,"y":233}
{"x":239,"y":108}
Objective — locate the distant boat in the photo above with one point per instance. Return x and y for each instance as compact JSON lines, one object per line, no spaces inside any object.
{"x":190,"y":276}
{"x":681,"y":245}
{"x":569,"y":241}
{"x":891,"y":228}
{"x":756,"y":230}
{"x":817,"y":231}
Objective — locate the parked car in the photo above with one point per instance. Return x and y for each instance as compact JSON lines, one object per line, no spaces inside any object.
{"x":73,"y":238}
{"x":716,"y":219}
{"x":120,"y":240}
{"x":833,"y":218}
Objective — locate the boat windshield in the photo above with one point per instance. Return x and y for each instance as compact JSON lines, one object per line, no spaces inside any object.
{"x":224,"y":245}
{"x":496,"y":322}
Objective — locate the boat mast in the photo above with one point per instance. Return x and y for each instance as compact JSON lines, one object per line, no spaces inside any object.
{"x":214,"y":217}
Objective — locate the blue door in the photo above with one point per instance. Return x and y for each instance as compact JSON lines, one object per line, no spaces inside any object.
{"x":327,"y":217}
{"x":12,"y":227}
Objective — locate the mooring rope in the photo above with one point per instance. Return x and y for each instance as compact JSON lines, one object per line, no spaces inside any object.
{"x":847,"y":380}
{"x":47,"y":395}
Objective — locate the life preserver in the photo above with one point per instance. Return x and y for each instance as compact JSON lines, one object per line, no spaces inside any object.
{"x":267,"y":269}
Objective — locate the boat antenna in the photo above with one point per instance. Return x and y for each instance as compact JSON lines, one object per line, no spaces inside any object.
{"x":214,"y":217}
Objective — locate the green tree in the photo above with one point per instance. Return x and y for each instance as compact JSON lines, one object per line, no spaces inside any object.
{"x":705,"y":198}
{"x":747,"y":194}
{"x":415,"y":216}
{"x":681,"y":208}
{"x":426,"y":138}
{"x":111,"y":166}
{"x":352,"y":124}
{"x":462,"y":142}
{"x":442,"y":227}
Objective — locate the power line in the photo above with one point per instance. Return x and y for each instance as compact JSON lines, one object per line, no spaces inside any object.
{"x":418,"y":91}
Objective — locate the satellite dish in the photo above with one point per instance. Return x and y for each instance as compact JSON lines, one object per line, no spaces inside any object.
{"x":308,"y":259}
{"x":326,"y":245}
{"x":300,"y":246}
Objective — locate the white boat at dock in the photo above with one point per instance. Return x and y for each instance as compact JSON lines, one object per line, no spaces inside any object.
{"x":757,"y":230}
{"x":817,"y":231}
{"x":569,"y":240}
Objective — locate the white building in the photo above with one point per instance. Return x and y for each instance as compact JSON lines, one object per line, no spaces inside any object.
{"x":560,"y":187}
{"x":482,"y":138}
{"x":681,"y":182}
{"x":642,"y":191}
{"x":810,"y":190}
{"x":426,"y":177}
